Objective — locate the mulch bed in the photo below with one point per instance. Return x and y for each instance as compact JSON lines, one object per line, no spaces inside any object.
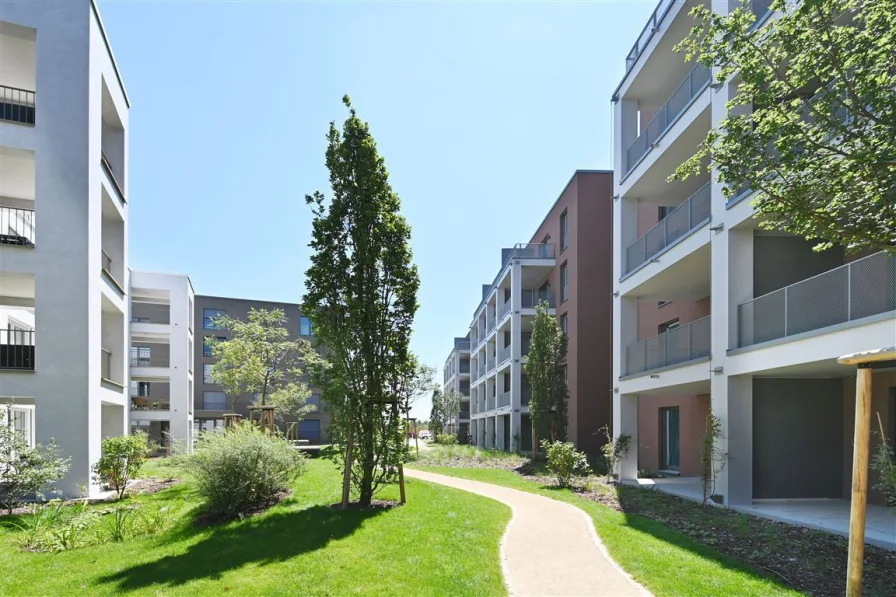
{"x":210,"y":520}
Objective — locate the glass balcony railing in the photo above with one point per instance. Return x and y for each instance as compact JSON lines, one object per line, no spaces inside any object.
{"x":647,"y":33}
{"x":860,"y":289}
{"x":504,"y":399}
{"x":503,"y":310}
{"x":688,"y":216}
{"x":531,"y":298}
{"x":503,"y":354}
{"x":491,"y":403}
{"x":694,"y":83}
{"x":686,"y":343}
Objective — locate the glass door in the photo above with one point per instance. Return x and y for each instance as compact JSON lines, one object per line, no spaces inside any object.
{"x":671,"y":439}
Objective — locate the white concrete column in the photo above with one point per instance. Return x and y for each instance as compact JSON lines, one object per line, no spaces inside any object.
{"x":625,"y":131}
{"x":732,"y":403}
{"x":739,"y":286}
{"x":625,"y":422}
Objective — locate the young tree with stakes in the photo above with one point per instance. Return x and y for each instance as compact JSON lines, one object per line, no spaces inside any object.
{"x":361,"y":295}
{"x":545,"y":369}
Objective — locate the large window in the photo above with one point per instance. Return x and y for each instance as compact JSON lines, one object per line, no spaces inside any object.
{"x":309,"y":429}
{"x":214,"y":401}
{"x":314,"y":400}
{"x":305,"y":326}
{"x":208,"y":345}
{"x":564,"y":238}
{"x":564,"y":281}
{"x":564,"y":324}
{"x":207,"y":373}
{"x":140,"y":356}
{"x":140,"y":389}
{"x":208,"y":318}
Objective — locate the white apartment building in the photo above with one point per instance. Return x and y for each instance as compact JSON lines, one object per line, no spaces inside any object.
{"x":63,"y":293}
{"x":456,"y":375}
{"x":764,"y":318}
{"x":499,"y":342}
{"x":161,"y":356}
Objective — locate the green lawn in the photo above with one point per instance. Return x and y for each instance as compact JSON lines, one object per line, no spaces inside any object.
{"x":443,"y":542}
{"x":663,"y":560}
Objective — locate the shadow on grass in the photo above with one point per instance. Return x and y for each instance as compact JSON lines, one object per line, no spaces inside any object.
{"x":275,"y":537}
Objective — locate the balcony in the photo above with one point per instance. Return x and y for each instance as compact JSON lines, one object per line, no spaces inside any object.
{"x":17,"y":105}
{"x":687,"y":217}
{"x":760,"y":8}
{"x":491,"y":403}
{"x":106,"y":364}
{"x":694,"y":83}
{"x":141,"y":403}
{"x":491,"y":325}
{"x":531,"y":298}
{"x":482,"y":370}
{"x":142,"y":312}
{"x":650,"y":28}
{"x":525,"y":396}
{"x":504,"y":399}
{"x":464,"y":414}
{"x":462,"y":344}
{"x":503,"y":354}
{"x":16,"y":227}
{"x":681,"y":345}
{"x":491,"y":362}
{"x":464,"y":367}
{"x":503,"y":310}
{"x":17,"y":350}
{"x":474,"y":374}
{"x":860,"y":289}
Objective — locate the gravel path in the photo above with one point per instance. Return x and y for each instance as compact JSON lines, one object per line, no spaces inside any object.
{"x":550,"y":548}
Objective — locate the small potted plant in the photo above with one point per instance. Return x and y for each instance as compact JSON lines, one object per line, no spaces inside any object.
{"x":155,"y":405}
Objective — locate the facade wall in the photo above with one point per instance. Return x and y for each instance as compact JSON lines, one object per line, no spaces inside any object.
{"x":883,"y":403}
{"x":693,"y":411}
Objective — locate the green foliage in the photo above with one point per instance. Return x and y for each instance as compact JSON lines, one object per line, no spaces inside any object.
{"x":121,"y":460}
{"x":437,"y":416}
{"x":712,"y":458}
{"x":446,"y":439}
{"x":614,"y":450}
{"x":546,"y":370}
{"x":361,"y":295}
{"x":564,"y":461}
{"x":25,"y":470}
{"x":242,"y":470}
{"x":882,"y":461}
{"x":445,"y":410}
{"x":812,"y":126}
{"x":261,"y":359}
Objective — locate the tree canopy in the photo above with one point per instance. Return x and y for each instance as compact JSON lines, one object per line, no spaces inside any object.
{"x":812,"y":124}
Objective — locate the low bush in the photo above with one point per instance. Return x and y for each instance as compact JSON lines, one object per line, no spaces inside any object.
{"x":242,"y":470}
{"x":121,"y":461}
{"x":564,"y":461}
{"x":446,"y":439}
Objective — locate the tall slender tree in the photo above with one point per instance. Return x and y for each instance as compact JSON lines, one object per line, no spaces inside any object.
{"x":361,"y":295}
{"x":546,"y":371}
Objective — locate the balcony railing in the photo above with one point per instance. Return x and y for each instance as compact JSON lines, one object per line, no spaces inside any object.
{"x":491,"y":403}
{"x":686,"y":343}
{"x":503,"y":310}
{"x":482,"y":370}
{"x":143,"y":403}
{"x":491,"y":324}
{"x":464,"y":367}
{"x":531,"y":298}
{"x":208,"y":404}
{"x":461,"y":344}
{"x":491,"y":362}
{"x":691,"y":214}
{"x":16,"y":226}
{"x":760,"y":8}
{"x":464,"y":414}
{"x":17,"y":349}
{"x":106,"y":262}
{"x":853,"y":291}
{"x":150,"y":313}
{"x":525,"y":396}
{"x":474,"y":374}
{"x":16,"y":105}
{"x":504,"y":354}
{"x":694,"y":83}
{"x":106,"y":364}
{"x":650,"y":28}
{"x":110,"y":172}
{"x":504,"y":399}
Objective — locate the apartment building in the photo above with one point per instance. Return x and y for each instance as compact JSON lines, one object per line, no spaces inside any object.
{"x":456,"y":375}
{"x":161,"y":356}
{"x":713,"y":315}
{"x":63,"y":294}
{"x":567,"y":264}
{"x":210,"y":402}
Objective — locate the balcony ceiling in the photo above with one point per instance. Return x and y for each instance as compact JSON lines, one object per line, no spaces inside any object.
{"x":688,"y":279}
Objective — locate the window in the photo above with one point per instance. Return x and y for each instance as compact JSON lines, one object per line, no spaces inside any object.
{"x":207,"y":373}
{"x":564,"y":324}
{"x":669,"y":326}
{"x":314,"y":401}
{"x":564,"y":280}
{"x":214,"y":401}
{"x":305,"y":326}
{"x":140,"y":389}
{"x":208,"y":318}
{"x":140,"y":356}
{"x":670,"y":438}
{"x":662,"y":304}
{"x":564,"y":238}
{"x":309,"y":429}
{"x":208,"y":346}
{"x":663,"y":211}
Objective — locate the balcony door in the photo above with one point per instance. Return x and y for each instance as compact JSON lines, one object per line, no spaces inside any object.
{"x":671,"y":439}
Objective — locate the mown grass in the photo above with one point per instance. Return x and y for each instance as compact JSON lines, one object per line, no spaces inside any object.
{"x":443,"y":542}
{"x":665,"y":561}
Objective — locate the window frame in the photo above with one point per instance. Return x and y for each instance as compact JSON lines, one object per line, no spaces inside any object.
{"x":564,"y":230}
{"x":207,"y":374}
{"x":303,"y":320}
{"x":205,"y":395}
{"x":208,"y":320}
{"x":564,"y":281}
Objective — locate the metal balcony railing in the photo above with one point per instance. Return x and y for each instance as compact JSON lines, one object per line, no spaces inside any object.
{"x":686,"y":343}
{"x":491,"y":324}
{"x":106,"y":262}
{"x":474,"y":374}
{"x":105,"y":364}
{"x":110,"y":172}
{"x":531,"y":298}
{"x":853,"y":291}
{"x":691,"y":214}
{"x":491,"y":362}
{"x":17,"y":349}
{"x":491,"y":403}
{"x":503,"y":354}
{"x":464,"y":367}
{"x":650,"y":28}
{"x":694,"y":83}
{"x":150,"y":313}
{"x":16,"y":226}
{"x":16,"y":105}
{"x":504,"y":399}
{"x":503,"y":310}
{"x":461,"y":344}
{"x":482,"y":370}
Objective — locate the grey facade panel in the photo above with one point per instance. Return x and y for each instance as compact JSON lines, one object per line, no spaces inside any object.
{"x":780,"y":261}
{"x":797,"y":438}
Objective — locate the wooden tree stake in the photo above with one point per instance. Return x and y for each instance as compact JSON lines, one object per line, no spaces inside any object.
{"x":347,"y":474}
{"x":401,"y":483}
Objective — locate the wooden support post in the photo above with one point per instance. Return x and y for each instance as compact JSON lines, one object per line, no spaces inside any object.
{"x":861,"y":446}
{"x":347,"y":474}
{"x":401,"y":483}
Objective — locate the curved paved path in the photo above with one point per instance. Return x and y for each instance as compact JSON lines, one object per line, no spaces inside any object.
{"x":550,"y":548}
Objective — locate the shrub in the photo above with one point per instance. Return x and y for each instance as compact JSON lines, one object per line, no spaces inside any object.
{"x":25,"y":470}
{"x":446,"y":439}
{"x":564,"y":461}
{"x":882,"y":461}
{"x":242,"y":470}
{"x":614,"y":450}
{"x":122,"y":459}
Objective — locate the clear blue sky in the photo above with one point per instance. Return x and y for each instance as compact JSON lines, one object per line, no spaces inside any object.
{"x":482,"y":112}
